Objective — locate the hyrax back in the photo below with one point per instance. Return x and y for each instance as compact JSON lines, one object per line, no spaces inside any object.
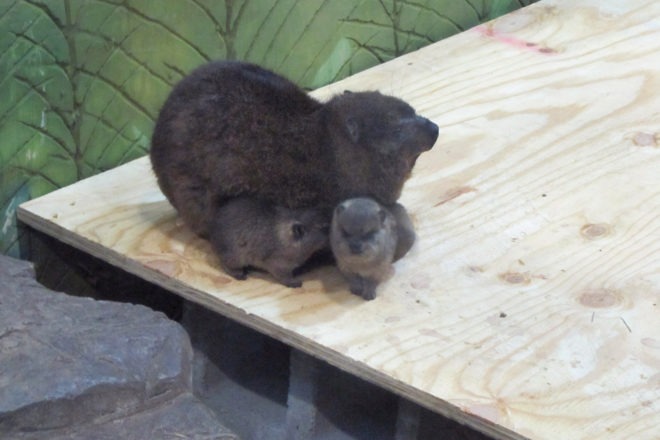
{"x":363,"y":238}
{"x":234,"y":129}
{"x":248,"y":233}
{"x":405,"y":230}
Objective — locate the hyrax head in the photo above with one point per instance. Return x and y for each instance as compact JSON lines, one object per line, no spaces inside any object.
{"x":384,"y":124}
{"x":300,"y":233}
{"x":376,"y":140}
{"x":360,"y":227}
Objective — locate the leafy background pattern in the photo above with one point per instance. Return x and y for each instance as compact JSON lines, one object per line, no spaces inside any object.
{"x":81,"y":81}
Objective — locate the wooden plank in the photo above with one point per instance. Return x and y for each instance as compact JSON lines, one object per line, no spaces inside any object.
{"x":530,"y":305}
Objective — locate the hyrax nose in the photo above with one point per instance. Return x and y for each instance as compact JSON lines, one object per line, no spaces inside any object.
{"x":433,"y":129}
{"x":355,"y":247}
{"x":429,"y":131}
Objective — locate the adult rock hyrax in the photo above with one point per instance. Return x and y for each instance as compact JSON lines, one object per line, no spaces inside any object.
{"x":248,"y":233}
{"x":363,"y":239}
{"x":235,"y":129}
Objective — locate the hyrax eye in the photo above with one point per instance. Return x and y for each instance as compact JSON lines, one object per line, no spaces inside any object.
{"x":369,"y":236}
{"x":392,"y":116}
{"x":298,"y":231}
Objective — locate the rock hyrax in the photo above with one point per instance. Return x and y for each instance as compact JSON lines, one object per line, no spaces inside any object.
{"x":405,"y":231}
{"x":235,"y":129}
{"x":247,"y":233}
{"x":363,"y":238}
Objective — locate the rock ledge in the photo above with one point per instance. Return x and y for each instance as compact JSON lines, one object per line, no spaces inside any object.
{"x":76,"y":368}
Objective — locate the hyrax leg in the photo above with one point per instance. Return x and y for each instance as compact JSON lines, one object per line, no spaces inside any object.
{"x":362,"y":287}
{"x":233,"y":266}
{"x":286,"y":278}
{"x":369,"y":289}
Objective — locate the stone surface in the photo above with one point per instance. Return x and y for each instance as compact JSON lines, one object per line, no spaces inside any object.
{"x":67,"y":362}
{"x":184,"y":418}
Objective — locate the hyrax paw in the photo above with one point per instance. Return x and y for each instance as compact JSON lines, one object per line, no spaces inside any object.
{"x":363,"y":290}
{"x":356,"y":290}
{"x":368,"y":294}
{"x":239,"y":274}
{"x":293,"y":283}
{"x":285,"y":277}
{"x":356,"y":285}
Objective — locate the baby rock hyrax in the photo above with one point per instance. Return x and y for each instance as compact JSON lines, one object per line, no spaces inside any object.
{"x":234,"y":129}
{"x":247,"y":233}
{"x":363,"y":238}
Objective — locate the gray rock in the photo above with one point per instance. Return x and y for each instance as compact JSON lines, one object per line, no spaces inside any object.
{"x":70,"y":361}
{"x":184,"y":418}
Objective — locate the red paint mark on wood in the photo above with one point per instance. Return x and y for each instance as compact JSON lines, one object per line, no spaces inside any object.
{"x":512,"y":41}
{"x":452,"y":193}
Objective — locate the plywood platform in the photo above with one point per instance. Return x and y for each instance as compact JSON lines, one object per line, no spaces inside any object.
{"x":530,"y":305}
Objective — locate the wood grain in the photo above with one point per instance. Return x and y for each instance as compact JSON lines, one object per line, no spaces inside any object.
{"x":530,"y":305}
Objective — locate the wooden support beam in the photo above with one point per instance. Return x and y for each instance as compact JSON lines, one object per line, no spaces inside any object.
{"x":301,"y":403}
{"x":407,"y":420}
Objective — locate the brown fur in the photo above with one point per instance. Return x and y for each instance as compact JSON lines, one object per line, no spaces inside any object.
{"x":405,"y":232}
{"x":249,"y":233}
{"x":234,"y":129}
{"x":363,"y":238}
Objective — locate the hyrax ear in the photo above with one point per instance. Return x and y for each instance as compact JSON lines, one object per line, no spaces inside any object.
{"x":340,"y":208}
{"x":298,"y":231}
{"x":353,"y":129}
{"x":383,"y":215}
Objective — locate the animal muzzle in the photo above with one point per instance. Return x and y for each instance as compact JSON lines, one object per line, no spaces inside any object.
{"x":429,"y":132}
{"x":355,"y":247}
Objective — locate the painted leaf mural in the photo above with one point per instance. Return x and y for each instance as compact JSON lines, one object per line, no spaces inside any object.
{"x":81,"y":81}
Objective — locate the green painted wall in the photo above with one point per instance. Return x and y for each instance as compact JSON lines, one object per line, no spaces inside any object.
{"x":81,"y":81}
